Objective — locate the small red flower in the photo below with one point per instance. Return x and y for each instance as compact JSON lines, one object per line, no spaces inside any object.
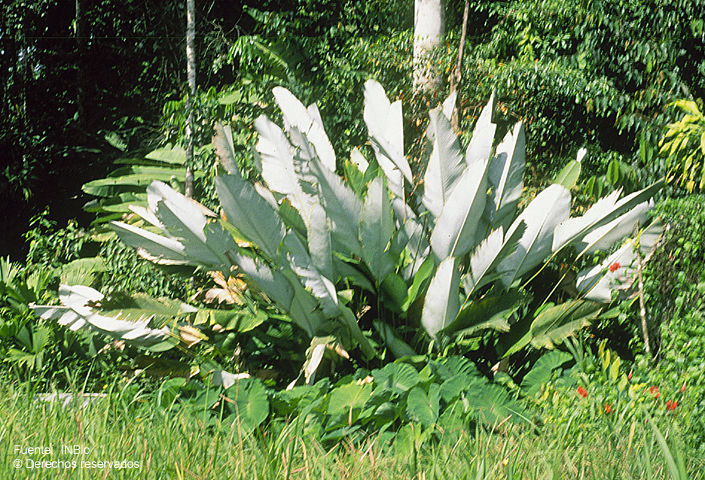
{"x":653,"y":389}
{"x":671,"y":405}
{"x":582,"y":392}
{"x":629,"y":377}
{"x":683,"y":388}
{"x":608,"y":408}
{"x":614,"y":267}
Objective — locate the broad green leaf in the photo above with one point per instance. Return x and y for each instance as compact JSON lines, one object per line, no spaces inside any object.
{"x":397,"y":377}
{"x":398,"y":347}
{"x":249,"y":402}
{"x":543,"y":369}
{"x":271,"y":282}
{"x":569,"y":175}
{"x":420,"y":278}
{"x":492,"y":405}
{"x":442,"y":305}
{"x":505,"y":178}
{"x":304,"y":309}
{"x":488,"y":312}
{"x":541,"y":217}
{"x":348,"y":397}
{"x":410,"y":235}
{"x":131,"y":177}
{"x":445,"y":166}
{"x":422,"y":407}
{"x":553,"y":325}
{"x":173,"y":155}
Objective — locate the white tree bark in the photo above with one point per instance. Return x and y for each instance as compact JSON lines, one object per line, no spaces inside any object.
{"x":429,"y":26}
{"x":191,"y":75}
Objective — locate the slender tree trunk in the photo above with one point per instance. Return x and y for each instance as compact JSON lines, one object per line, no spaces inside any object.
{"x":191,"y":74}
{"x":457,"y":74}
{"x":80,"y":95}
{"x":429,"y":25}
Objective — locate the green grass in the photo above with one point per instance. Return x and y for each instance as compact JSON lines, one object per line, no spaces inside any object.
{"x":184,"y":445}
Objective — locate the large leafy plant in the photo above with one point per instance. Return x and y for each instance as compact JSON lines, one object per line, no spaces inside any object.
{"x":423,"y":262}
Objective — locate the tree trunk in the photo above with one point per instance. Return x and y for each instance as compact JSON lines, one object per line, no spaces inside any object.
{"x":429,"y":25}
{"x":191,"y":75}
{"x":78,"y":31}
{"x":457,"y":74}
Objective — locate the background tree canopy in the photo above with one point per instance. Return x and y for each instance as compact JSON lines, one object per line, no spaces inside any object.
{"x":596,"y":74}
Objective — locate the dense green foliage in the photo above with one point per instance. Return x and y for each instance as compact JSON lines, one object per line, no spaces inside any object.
{"x":95,"y":98}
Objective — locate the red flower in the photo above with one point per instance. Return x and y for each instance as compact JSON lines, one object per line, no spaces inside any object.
{"x":614,"y":267}
{"x":683,"y":388}
{"x":671,"y":405}
{"x":629,"y":377}
{"x":582,"y":392}
{"x":608,"y":408}
{"x":653,"y":389}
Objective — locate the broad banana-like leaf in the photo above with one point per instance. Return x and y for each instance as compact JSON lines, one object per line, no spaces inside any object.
{"x":456,"y":231}
{"x":445,"y":166}
{"x":271,"y":282}
{"x":618,"y":271}
{"x":185,"y":224}
{"x":603,"y":211}
{"x":250,"y":213}
{"x":505,"y":178}
{"x":569,"y":175}
{"x":553,"y":325}
{"x":442,"y":303}
{"x":488,"y":312}
{"x":392,"y":339}
{"x":385,"y":128}
{"x":488,"y":255}
{"x":602,"y":238}
{"x":191,"y":232}
{"x":376,"y":230}
{"x":154,"y":247}
{"x":321,"y":287}
{"x":304,"y":307}
{"x":134,"y":176}
{"x":480,"y":147}
{"x":186,"y":209}
{"x":276,"y":159}
{"x":410,"y":234}
{"x":343,"y":208}
{"x":320,"y":243}
{"x":76,"y":314}
{"x":541,"y":217}
{"x":348,"y":272}
{"x":308,"y":121}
